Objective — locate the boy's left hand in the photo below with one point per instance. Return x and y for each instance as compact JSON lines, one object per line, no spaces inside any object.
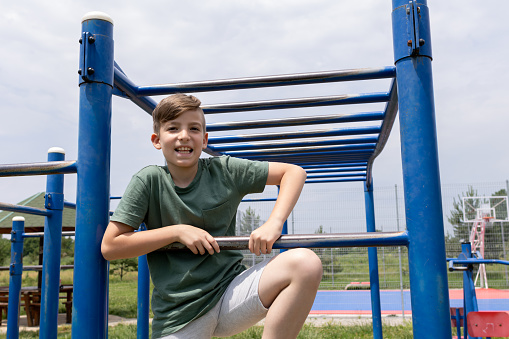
{"x":262,"y":239}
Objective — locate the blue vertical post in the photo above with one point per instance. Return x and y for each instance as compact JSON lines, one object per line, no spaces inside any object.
{"x":15,"y":271}
{"x":142,"y":329}
{"x":285,"y":225}
{"x":376,"y":309}
{"x":54,"y":201}
{"x":90,"y":310}
{"x":419,"y":151}
{"x":469,"y":296}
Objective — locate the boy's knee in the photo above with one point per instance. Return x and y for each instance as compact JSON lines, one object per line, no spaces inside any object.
{"x":306,"y":263}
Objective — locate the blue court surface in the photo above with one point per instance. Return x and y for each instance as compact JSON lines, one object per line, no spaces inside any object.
{"x":359,"y":302}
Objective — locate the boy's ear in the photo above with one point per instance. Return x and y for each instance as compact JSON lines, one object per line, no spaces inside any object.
{"x":205,"y":140}
{"x":155,"y":141}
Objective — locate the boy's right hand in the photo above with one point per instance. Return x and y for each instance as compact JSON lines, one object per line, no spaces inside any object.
{"x":196,"y":239}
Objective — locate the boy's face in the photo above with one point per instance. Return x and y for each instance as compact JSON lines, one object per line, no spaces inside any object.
{"x":182,"y":140}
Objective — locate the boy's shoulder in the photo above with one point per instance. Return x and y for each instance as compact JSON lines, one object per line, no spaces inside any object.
{"x":151,"y":171}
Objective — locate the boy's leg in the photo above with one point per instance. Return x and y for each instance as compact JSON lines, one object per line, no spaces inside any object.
{"x":288,"y":287}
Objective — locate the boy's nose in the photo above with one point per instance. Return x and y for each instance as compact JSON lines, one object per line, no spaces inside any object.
{"x":183,"y":134}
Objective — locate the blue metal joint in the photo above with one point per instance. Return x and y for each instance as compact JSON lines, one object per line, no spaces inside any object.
{"x":54,"y":201}
{"x":411,"y":21}
{"x":95,"y":46}
{"x":15,"y":269}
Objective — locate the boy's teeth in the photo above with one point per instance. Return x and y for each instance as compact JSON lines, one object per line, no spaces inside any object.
{"x":184,"y":149}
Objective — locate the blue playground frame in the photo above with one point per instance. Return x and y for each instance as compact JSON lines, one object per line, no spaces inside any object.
{"x":328,"y":155}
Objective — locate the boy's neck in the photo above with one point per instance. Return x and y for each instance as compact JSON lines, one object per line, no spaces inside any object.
{"x":183,"y":176}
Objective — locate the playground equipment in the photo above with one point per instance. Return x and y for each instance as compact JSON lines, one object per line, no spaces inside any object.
{"x":328,"y":155}
{"x":481,"y":212}
{"x":475,"y":323}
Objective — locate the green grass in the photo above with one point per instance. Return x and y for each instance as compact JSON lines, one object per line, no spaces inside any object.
{"x":328,"y":331}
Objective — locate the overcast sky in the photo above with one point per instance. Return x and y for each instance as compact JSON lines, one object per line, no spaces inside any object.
{"x":178,"y":41}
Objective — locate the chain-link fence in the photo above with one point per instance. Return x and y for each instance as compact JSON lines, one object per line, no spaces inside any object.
{"x":332,"y":208}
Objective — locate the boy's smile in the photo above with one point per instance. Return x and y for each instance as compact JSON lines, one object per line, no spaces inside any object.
{"x":182,"y":141}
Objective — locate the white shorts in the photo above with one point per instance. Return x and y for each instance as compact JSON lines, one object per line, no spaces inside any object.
{"x":238,"y":309}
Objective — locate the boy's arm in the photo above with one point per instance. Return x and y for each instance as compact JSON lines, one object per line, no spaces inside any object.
{"x":290,"y":179}
{"x":120,"y":241}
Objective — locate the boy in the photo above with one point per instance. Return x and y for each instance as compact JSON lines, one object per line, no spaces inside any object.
{"x":206,"y":292}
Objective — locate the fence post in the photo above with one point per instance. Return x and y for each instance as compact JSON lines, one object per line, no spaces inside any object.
{"x":503,"y":235}
{"x":90,"y":304}
{"x":50,"y":289}
{"x":15,"y":271}
{"x":421,"y":175}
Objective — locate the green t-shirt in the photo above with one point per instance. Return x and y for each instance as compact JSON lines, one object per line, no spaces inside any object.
{"x":186,"y":285}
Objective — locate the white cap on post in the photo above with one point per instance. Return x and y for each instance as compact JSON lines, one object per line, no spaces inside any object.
{"x":18,"y":218}
{"x":56,"y":150}
{"x":97,"y":15}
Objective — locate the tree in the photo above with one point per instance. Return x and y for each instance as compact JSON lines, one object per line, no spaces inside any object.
{"x":5,"y":251}
{"x":122,"y":266}
{"x":248,"y":221}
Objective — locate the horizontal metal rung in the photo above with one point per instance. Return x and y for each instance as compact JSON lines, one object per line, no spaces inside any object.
{"x":300,"y":143}
{"x":336,"y":175}
{"x":269,"y":81}
{"x":332,"y":132}
{"x":330,"y":240}
{"x":345,"y":99}
{"x":299,"y":121}
{"x":318,"y":150}
{"x":25,"y":209}
{"x":38,"y":168}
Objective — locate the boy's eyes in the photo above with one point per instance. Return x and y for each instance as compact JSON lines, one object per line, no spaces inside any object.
{"x":174,"y":128}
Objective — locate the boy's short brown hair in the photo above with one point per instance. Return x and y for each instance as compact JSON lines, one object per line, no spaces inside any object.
{"x":171,"y":107}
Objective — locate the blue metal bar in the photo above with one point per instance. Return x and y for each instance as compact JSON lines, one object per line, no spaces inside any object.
{"x":469,"y":296}
{"x":50,"y":288}
{"x":298,"y":121}
{"x":330,"y":165}
{"x":336,"y":175}
{"x":321,"y":181}
{"x":317,"y":150}
{"x":345,"y":99}
{"x":142,"y":329}
{"x":371,"y":140}
{"x":24,"y":209}
{"x":343,"y":155}
{"x":41,"y":234}
{"x":421,"y":178}
{"x":258,"y":200}
{"x":16,"y":270}
{"x":376,"y":308}
{"x":474,"y":261}
{"x":333,"y":132}
{"x":335,"y":170}
{"x":391,"y":109}
{"x":70,"y":205}
{"x":90,"y":304}
{"x":38,"y":168}
{"x":131,"y":90}
{"x":285,"y":224}
{"x":270,"y":81}
{"x":323,"y":240}
{"x":36,"y":267}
